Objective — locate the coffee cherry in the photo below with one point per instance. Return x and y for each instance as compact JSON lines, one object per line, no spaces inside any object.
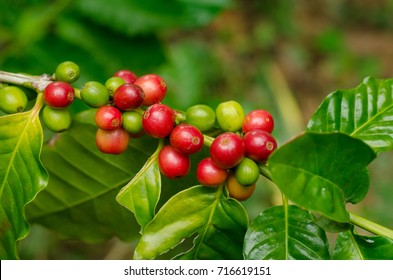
{"x":259,"y":145}
{"x":132,"y":122}
{"x":59,"y":94}
{"x":112,"y":141}
{"x":154,"y":87}
{"x":209,"y":174}
{"x":12,"y":100}
{"x":230,"y":115}
{"x":258,"y":119}
{"x":57,"y":120}
{"x":128,"y":97}
{"x":227,"y":150}
{"x":158,"y":120}
{"x":247,"y":172}
{"x":172,"y":163}
{"x":186,"y":138}
{"x":201,"y":116}
{"x":237,"y":190}
{"x":108,"y":117}
{"x":67,"y":71}
{"x":94,"y":94}
{"x":127,"y":75}
{"x":113,"y":83}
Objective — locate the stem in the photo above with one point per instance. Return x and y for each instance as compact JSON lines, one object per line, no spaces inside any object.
{"x":264,"y":171}
{"x":370,"y":226}
{"x":33,"y":82}
{"x":207,"y":140}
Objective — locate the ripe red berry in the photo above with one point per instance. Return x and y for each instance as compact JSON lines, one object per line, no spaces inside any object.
{"x":59,"y":94}
{"x":127,"y":75}
{"x":128,"y":97}
{"x":158,"y":120}
{"x":154,"y":87}
{"x":112,"y":141}
{"x":108,"y":117}
{"x":258,"y":119}
{"x":186,"y":138}
{"x":209,"y":174}
{"x":172,"y":163}
{"x":259,"y":145}
{"x":227,"y":150}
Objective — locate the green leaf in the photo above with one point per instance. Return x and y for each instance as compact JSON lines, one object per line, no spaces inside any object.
{"x":281,"y":233}
{"x":22,"y":175}
{"x":142,"y":193}
{"x":80,"y":200}
{"x":365,"y":112}
{"x":351,"y":246}
{"x":217,"y":224}
{"x":322,"y":172}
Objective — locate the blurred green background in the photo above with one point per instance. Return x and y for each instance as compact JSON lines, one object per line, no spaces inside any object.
{"x":284,"y":56}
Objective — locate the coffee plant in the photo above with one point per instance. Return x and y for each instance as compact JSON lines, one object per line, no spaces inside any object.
{"x":133,"y":167}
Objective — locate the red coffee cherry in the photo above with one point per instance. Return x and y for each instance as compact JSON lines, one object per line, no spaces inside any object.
{"x":112,"y":141}
{"x":154,"y":87}
{"x":227,"y":150}
{"x":59,"y":94}
{"x":209,"y":174}
{"x":172,"y":163}
{"x":258,"y":119}
{"x":108,"y":117}
{"x":128,"y":97}
{"x":187,"y":139}
{"x":127,"y":75}
{"x":158,"y":120}
{"x":259,"y":145}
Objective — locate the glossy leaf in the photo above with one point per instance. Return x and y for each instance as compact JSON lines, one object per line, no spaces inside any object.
{"x":351,"y":246}
{"x":365,"y":112}
{"x":142,"y":193}
{"x":80,"y":200}
{"x":281,"y":233}
{"x":22,"y":175}
{"x":322,"y":172}
{"x":217,"y":224}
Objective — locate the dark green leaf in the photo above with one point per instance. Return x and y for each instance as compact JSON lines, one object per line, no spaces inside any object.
{"x":217,"y":223}
{"x":80,"y":200}
{"x":351,"y":246}
{"x":321,"y":172}
{"x":285,"y":234}
{"x":22,"y":175}
{"x":365,"y":112}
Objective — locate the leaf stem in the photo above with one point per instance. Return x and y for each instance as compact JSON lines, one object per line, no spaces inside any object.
{"x":370,"y":226}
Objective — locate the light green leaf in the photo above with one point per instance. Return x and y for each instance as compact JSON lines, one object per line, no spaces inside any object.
{"x":80,"y":200}
{"x":351,"y":246}
{"x":281,"y":233}
{"x":22,"y":175}
{"x":217,"y":224}
{"x":322,"y":172}
{"x":365,"y":112}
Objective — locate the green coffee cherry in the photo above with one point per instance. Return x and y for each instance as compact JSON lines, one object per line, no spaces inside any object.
{"x":94,"y":94}
{"x":12,"y":99}
{"x":113,"y":83}
{"x":67,"y":71}
{"x":132,"y":122}
{"x":57,"y":120}
{"x":247,"y":172}
{"x":230,"y":115}
{"x":201,"y":116}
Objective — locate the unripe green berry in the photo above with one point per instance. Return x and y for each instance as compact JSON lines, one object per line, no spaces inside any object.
{"x":57,"y":120}
{"x":67,"y":71}
{"x":113,"y":83}
{"x":94,"y":94}
{"x":132,"y":122}
{"x":230,"y":115}
{"x":12,"y":99}
{"x":201,"y":116}
{"x":247,"y":172}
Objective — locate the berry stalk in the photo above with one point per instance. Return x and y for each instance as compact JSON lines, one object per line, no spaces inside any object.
{"x":33,"y":82}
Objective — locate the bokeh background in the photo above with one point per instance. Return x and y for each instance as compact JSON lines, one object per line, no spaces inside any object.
{"x":284,"y":56}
